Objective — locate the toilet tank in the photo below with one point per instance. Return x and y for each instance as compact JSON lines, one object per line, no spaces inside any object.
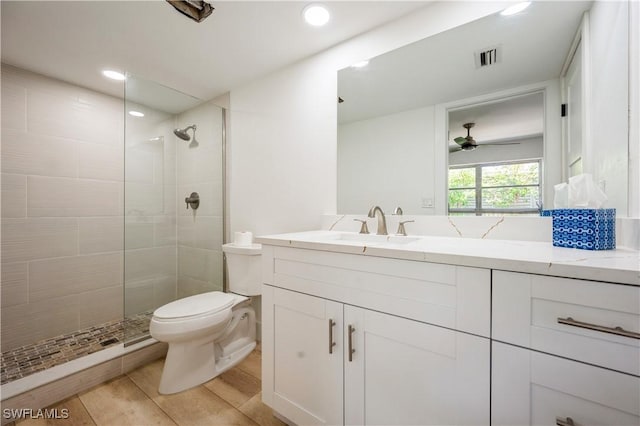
{"x":244,"y":268}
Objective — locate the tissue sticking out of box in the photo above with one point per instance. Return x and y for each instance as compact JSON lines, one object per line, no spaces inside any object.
{"x":580,"y":192}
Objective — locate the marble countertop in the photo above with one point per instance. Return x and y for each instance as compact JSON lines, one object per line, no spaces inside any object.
{"x":618,"y":266}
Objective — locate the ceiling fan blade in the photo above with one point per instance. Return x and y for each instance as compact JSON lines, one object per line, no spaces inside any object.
{"x":453,"y":149}
{"x":499,"y":143}
{"x":460,"y":140}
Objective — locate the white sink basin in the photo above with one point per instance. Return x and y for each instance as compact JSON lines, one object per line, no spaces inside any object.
{"x":371,"y":239}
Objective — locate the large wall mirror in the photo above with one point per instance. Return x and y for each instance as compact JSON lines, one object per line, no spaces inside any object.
{"x":470,"y":121}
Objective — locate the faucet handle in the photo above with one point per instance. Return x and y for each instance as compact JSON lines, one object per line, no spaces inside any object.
{"x":363,"y":229}
{"x":401,"y":230}
{"x":398,"y":211}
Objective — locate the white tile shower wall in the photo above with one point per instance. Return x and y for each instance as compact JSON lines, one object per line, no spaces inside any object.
{"x":62,"y":183}
{"x":200,"y":232}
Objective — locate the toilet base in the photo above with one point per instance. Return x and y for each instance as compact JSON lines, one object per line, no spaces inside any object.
{"x":193,"y":362}
{"x":188,"y":365}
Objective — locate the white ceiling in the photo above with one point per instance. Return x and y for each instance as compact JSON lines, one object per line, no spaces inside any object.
{"x":239,"y":42}
{"x":441,"y":68}
{"x":512,"y":118}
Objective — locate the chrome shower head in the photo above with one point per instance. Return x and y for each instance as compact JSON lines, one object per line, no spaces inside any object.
{"x":182,"y":133}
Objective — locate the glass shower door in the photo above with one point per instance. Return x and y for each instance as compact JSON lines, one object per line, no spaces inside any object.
{"x":164,"y":240}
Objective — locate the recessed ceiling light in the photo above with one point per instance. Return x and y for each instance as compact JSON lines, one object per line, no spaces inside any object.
{"x":136,"y":113}
{"x":114,"y":75}
{"x":316,"y":15}
{"x":360,"y":64}
{"x":518,"y":7}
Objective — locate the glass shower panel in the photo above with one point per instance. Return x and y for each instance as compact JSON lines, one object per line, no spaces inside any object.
{"x":200,"y":231}
{"x":154,"y":207}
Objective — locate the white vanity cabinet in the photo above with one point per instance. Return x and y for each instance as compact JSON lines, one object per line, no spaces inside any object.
{"x":337,"y":351}
{"x":404,"y":372}
{"x":564,"y":351}
{"x":533,"y":388}
{"x":302,"y":356}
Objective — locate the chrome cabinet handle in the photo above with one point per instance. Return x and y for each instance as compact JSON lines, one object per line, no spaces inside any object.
{"x":618,"y":331}
{"x":568,"y":421}
{"x":351,"y":350}
{"x":331,"y":342}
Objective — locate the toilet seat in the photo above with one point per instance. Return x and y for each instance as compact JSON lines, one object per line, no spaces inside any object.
{"x":192,"y":307}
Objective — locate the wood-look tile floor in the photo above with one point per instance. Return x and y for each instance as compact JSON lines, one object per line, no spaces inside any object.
{"x":233,"y":398}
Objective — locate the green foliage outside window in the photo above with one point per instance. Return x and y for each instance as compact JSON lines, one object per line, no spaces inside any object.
{"x":502,"y":186}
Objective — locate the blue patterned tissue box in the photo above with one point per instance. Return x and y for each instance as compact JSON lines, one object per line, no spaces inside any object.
{"x":587,"y":229}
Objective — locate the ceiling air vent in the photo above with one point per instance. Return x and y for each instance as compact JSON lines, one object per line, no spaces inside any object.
{"x":488,"y":56}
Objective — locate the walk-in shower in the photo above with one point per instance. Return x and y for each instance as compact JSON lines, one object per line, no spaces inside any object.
{"x":102,"y":238}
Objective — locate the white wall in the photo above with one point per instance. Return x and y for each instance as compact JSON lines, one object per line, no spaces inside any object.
{"x":634,"y":110}
{"x":386,"y":161}
{"x":283,"y":127}
{"x":609,"y":64}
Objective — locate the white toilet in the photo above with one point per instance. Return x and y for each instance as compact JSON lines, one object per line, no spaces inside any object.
{"x":210,"y":332}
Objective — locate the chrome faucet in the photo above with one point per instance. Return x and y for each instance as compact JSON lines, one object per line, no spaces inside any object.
{"x":376,"y":211}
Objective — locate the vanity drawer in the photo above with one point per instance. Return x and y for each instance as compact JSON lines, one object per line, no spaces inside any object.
{"x":593,"y":322}
{"x":450,"y":296}
{"x":532,"y":388}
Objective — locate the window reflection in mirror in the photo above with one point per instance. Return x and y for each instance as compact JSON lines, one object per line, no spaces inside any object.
{"x":495,"y":157}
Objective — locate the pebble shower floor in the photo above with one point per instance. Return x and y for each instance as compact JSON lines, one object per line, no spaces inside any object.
{"x":26,"y":360}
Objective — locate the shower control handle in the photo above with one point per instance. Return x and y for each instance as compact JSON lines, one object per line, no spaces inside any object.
{"x":193,"y":200}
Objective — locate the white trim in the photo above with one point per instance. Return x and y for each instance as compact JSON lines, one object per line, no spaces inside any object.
{"x":587,"y":143}
{"x":634,"y":110}
{"x":552,"y":150}
{"x":58,"y":372}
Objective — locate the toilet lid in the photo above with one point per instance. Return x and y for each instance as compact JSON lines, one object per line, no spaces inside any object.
{"x":205,"y":303}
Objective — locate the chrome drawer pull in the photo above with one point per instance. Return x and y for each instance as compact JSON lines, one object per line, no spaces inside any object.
{"x":619,"y":331}
{"x":331,"y":342}
{"x":566,"y":422}
{"x":351,"y":350}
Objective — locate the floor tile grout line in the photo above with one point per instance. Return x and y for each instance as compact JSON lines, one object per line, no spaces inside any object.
{"x":86,"y":409}
{"x":229,"y":402}
{"x":149,"y":397}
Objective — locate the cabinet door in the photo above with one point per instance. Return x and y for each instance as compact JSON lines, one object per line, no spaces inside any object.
{"x":302,"y":373}
{"x":405,"y":372}
{"x":533,"y":388}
